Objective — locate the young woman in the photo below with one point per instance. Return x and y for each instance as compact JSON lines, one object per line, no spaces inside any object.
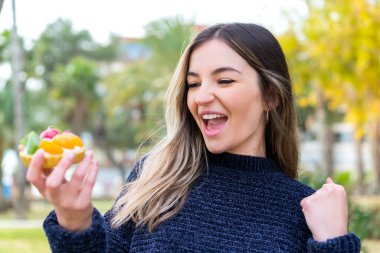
{"x":223,"y":177}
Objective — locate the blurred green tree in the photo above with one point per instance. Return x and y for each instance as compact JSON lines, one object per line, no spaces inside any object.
{"x":312,"y":104}
{"x":59,"y":43}
{"x":339,"y":40}
{"x":6,"y":109}
{"x":52,"y":59}
{"x":167,"y":38}
{"x":134,"y":99}
{"x":74,"y":93}
{"x":67,"y":65}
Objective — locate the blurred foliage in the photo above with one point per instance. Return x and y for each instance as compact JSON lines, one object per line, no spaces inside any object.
{"x":4,"y":45}
{"x":364,"y":221}
{"x":135,"y":97}
{"x":59,"y":43}
{"x":334,"y":61}
{"x":313,"y":179}
{"x":364,"y":213}
{"x":316,"y":179}
{"x":346,"y":179}
{"x":344,"y":52}
{"x":167,"y":38}
{"x":62,"y":76}
{"x":75,"y":83}
{"x":6,"y":102}
{"x":74,"y":91}
{"x":135,"y":94}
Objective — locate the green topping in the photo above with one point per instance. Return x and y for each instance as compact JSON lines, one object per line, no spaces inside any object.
{"x":24,"y":140}
{"x":31,"y":142}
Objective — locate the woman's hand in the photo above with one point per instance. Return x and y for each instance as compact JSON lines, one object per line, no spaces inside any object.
{"x":326,"y":211}
{"x":70,"y":199}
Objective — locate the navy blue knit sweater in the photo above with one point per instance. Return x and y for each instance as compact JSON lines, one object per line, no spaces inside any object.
{"x":241,"y":204}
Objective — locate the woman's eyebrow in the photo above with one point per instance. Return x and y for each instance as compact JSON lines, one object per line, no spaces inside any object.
{"x":215,"y":71}
{"x":224,"y":69}
{"x":190,"y":73}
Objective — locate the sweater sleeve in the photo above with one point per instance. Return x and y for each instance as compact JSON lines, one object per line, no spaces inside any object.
{"x":100,"y":237}
{"x":349,"y":243}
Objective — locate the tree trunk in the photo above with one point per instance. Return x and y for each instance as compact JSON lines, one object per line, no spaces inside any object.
{"x":359,"y":165}
{"x":118,"y":164}
{"x":375,"y":152}
{"x":78,"y":117}
{"x":325,"y":135}
{"x":1,"y":5}
{"x":328,"y":149}
{"x":101,"y":141}
{"x":19,"y":199}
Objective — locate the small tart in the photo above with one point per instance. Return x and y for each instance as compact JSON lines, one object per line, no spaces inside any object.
{"x":55,"y":144}
{"x":79,"y":154}
{"x":51,"y":160}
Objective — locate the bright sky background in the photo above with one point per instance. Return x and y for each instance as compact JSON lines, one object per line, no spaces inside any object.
{"x":127,"y":18}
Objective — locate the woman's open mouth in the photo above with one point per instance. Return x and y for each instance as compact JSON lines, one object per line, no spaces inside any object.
{"x":213,"y":123}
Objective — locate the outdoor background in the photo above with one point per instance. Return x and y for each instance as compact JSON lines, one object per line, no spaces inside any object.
{"x":101,"y":70}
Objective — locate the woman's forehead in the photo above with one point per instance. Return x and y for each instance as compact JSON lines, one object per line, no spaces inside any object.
{"x":215,"y":54}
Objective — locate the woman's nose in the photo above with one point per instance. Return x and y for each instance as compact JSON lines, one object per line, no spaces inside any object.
{"x":205,"y":95}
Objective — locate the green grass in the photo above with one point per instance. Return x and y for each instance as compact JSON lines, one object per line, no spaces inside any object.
{"x":41,"y":208}
{"x":33,"y":240}
{"x":23,"y":240}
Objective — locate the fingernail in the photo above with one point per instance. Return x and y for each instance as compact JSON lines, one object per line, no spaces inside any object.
{"x":40,"y":151}
{"x":70,"y":155}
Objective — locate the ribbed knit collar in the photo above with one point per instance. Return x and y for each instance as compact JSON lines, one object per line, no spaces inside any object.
{"x":242,"y":162}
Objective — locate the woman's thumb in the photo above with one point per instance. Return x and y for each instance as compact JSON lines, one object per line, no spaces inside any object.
{"x":329,"y":180}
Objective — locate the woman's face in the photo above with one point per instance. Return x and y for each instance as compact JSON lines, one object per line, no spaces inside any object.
{"x":225,"y":100}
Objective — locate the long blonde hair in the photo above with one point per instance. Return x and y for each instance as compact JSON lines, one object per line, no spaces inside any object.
{"x":174,"y":163}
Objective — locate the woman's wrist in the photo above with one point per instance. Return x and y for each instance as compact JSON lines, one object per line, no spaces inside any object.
{"x":75,"y":224}
{"x":322,"y":237}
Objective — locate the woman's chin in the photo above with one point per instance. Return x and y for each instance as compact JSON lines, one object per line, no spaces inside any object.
{"x":215,"y":149}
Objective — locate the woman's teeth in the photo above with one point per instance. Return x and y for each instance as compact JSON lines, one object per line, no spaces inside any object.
{"x":212,"y":116}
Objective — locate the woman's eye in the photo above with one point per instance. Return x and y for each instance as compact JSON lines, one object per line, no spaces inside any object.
{"x":225,"y":81}
{"x":193,"y":84}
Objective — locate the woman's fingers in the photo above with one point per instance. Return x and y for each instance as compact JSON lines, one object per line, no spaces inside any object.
{"x":57,"y":176}
{"x":89,"y":182}
{"x":35,"y":173}
{"x":329,"y":180}
{"x":81,"y":171}
{"x":326,"y":211}
{"x":64,"y":195}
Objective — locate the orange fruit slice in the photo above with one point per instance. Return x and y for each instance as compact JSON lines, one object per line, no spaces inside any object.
{"x":50,"y":147}
{"x":68,"y":140}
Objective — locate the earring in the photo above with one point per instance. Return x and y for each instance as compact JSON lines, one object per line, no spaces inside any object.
{"x":267,"y":117}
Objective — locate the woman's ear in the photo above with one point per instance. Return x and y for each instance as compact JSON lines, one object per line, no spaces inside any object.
{"x":272,"y":104}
